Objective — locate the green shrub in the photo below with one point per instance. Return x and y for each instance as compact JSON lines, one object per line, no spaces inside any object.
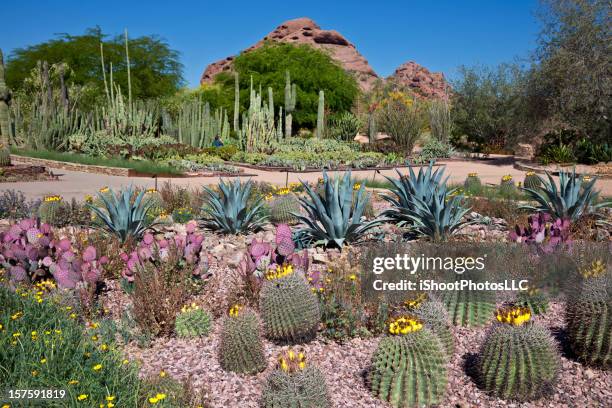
{"x":435,"y":149}
{"x":344,"y":127}
{"x":240,"y":346}
{"x":560,"y":153}
{"x":588,"y":152}
{"x":223,"y":152}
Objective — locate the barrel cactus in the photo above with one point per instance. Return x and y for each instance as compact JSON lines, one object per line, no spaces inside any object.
{"x":534,"y":299}
{"x":49,"y":208}
{"x":589,"y":317}
{"x":469,"y":307}
{"x":472,"y":182}
{"x":368,"y":210}
{"x":532,"y":181}
{"x":409,"y":367}
{"x":518,"y":360}
{"x":507,"y":187}
{"x":295,"y":383}
{"x":5,"y":156}
{"x":283,"y":208}
{"x":192,"y":321}
{"x":240,"y":346}
{"x":435,"y":317}
{"x":289,"y":309}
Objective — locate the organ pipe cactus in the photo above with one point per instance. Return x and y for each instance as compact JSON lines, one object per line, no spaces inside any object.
{"x":290,"y":100}
{"x":321,"y":116}
{"x":5,"y":98}
{"x":236,"y":103}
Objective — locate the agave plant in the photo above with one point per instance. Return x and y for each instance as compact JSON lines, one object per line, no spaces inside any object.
{"x":573,"y":199}
{"x":229,"y":211}
{"x":334,"y":217}
{"x":123,"y":215}
{"x":425,"y":203}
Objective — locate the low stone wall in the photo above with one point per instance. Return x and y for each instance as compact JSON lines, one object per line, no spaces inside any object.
{"x":111,"y":171}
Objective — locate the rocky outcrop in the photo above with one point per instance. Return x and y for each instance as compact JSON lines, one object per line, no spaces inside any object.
{"x":421,"y":80}
{"x":305,"y":31}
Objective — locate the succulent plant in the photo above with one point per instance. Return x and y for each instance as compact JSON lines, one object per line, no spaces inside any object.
{"x":5,"y":156}
{"x":589,"y":317}
{"x":240,"y":345}
{"x":69,"y":267}
{"x":507,"y":186}
{"x":156,"y":249}
{"x":409,"y":367}
{"x":335,"y":217}
{"x":295,"y":383}
{"x":123,"y":215}
{"x":49,"y":209}
{"x":543,"y":231}
{"x":435,"y":317}
{"x":571,"y":200}
{"x":289,"y":309}
{"x":532,"y":181}
{"x":472,"y":182}
{"x":228,"y":212}
{"x":518,"y":360}
{"x":283,"y":208}
{"x":192,"y":321}
{"x":424,"y":203}
{"x":533,"y":299}
{"x":469,"y":307}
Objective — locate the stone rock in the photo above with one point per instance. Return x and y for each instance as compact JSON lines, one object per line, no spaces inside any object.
{"x":421,"y":80}
{"x":306,"y":31}
{"x":525,"y":151}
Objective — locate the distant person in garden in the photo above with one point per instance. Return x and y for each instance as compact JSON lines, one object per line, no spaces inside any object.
{"x":217,"y":142}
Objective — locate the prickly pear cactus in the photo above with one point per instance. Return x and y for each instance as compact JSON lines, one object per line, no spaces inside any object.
{"x":532,"y":181}
{"x":472,"y":182}
{"x":518,"y":360}
{"x":282,"y":209}
{"x":192,"y":321}
{"x":289,"y":309}
{"x":409,"y":367}
{"x":49,"y":209}
{"x":295,"y":383}
{"x":589,"y":317}
{"x":240,"y":346}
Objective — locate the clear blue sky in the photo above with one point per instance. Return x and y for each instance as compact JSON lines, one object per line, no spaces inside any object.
{"x":440,"y":35}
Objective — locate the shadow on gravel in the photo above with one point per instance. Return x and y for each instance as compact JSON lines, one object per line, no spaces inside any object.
{"x":560,"y":336}
{"x":469,"y":365}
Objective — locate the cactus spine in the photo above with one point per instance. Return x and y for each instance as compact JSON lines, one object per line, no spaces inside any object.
{"x":409,"y":370}
{"x":240,"y":347}
{"x":321,"y":116}
{"x":290,"y":100}
{"x":5,"y":98}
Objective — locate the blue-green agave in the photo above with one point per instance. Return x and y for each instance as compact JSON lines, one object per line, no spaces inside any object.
{"x":334,"y":217}
{"x":123,"y":215}
{"x":571,"y":200}
{"x":423,"y":202}
{"x":229,"y":211}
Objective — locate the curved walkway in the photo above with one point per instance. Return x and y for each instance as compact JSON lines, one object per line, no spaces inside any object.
{"x":77,"y":184}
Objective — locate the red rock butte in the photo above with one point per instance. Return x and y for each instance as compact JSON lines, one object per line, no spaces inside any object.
{"x":306,"y":31}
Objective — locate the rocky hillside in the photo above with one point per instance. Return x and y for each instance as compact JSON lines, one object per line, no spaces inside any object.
{"x":305,"y":31}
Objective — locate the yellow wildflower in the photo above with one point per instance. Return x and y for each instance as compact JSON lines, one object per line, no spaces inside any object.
{"x":82,"y":397}
{"x":73,"y":382}
{"x":97,"y":367}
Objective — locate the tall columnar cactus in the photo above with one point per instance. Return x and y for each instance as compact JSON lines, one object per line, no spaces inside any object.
{"x":290,"y":100}
{"x":289,"y":309}
{"x":532,"y":180}
{"x":589,"y":317}
{"x":192,"y":321}
{"x":321,"y":116}
{"x":5,"y":98}
{"x":5,"y":156}
{"x":435,"y":317}
{"x":236,"y":102}
{"x":469,"y":307}
{"x":240,"y":347}
{"x":409,"y":367}
{"x":371,"y":126}
{"x":49,"y":208}
{"x":283,"y":208}
{"x":518,"y":360}
{"x":295,"y":383}
{"x":258,"y":127}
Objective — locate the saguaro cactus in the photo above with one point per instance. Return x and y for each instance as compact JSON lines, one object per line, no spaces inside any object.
{"x":5,"y":97}
{"x":321,"y":115}
{"x":236,"y":103}
{"x":290,"y":99}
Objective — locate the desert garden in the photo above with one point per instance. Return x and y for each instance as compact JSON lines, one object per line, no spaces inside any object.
{"x":218,"y":247}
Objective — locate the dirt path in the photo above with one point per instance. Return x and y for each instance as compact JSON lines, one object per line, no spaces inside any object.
{"x":77,"y":184}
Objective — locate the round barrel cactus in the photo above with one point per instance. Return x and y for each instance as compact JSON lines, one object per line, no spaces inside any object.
{"x":49,"y":209}
{"x":192,"y":322}
{"x":532,"y":181}
{"x":409,"y":367}
{"x":295,"y":383}
{"x":289,"y":309}
{"x":240,"y":346}
{"x":534,"y":299}
{"x":518,"y":360}
{"x":435,"y":317}
{"x":507,"y":186}
{"x":282,"y":209}
{"x":468,"y":307}
{"x":589,"y":318}
{"x":472,"y":182}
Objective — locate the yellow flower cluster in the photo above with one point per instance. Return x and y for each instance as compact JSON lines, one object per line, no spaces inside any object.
{"x":291,"y":362}
{"x":235,"y":310}
{"x":507,"y":178}
{"x":586,"y":178}
{"x":104,"y":189}
{"x":530,"y":173}
{"x":51,"y":198}
{"x":405,"y":325}
{"x":416,"y":301}
{"x":190,"y":308}
{"x":597,"y":269}
{"x":150,"y":190}
{"x":157,"y":398}
{"x":356,"y":186}
{"x":472,"y":174}
{"x":89,"y":198}
{"x":46,"y":284}
{"x":513,"y":315}
{"x":291,"y":187}
{"x":281,"y":271}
